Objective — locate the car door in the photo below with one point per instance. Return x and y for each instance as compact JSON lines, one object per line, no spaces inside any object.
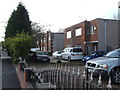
{"x":63,"y":54}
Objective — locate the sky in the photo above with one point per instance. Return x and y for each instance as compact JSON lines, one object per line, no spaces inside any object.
{"x":56,"y":14}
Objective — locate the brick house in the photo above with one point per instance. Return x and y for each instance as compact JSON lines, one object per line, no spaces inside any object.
{"x":98,"y":34}
{"x":75,"y":35}
{"x":52,"y":42}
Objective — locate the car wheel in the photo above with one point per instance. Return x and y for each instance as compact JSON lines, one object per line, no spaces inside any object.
{"x":48,"y":60}
{"x":61,"y":57}
{"x":69,"y":58}
{"x":115,"y":76}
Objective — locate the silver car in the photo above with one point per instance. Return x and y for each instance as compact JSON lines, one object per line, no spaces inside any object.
{"x":106,"y":66}
{"x":57,"y":54}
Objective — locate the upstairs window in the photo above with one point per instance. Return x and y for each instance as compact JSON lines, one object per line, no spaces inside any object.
{"x":49,"y":38}
{"x":92,"y":29}
{"x":68,"y":34}
{"x":78,"y":32}
{"x":45,"y":39}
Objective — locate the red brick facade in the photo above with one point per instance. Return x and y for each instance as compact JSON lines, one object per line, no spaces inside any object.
{"x":87,"y":38}
{"x":46,"y":43}
{"x":51,"y":42}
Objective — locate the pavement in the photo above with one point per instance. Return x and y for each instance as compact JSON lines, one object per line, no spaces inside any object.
{"x":8,"y":77}
{"x":1,"y":72}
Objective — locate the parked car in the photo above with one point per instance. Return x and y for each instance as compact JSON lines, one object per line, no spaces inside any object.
{"x":106,"y":66}
{"x":93,"y":55}
{"x":72,"y":53}
{"x":57,"y":54}
{"x":38,"y":56}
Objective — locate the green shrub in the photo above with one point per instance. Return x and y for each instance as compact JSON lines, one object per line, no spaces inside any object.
{"x":19,"y":45}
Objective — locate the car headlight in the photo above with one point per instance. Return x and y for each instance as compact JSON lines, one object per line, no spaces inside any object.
{"x":88,"y":58}
{"x":104,"y":66}
{"x":38,"y":57}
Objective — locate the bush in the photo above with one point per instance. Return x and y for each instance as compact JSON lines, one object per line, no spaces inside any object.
{"x":19,"y":45}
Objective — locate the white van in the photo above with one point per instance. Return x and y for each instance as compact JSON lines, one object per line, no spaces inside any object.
{"x":72,"y":53}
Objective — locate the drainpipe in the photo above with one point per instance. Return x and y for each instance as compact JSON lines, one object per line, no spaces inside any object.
{"x":105,"y":34}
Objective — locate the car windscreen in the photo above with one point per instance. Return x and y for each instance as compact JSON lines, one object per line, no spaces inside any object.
{"x":41,"y":53}
{"x":77,"y":50}
{"x":59,"y":52}
{"x":93,"y":54}
{"x":114,"y":54}
{"x":98,"y":53}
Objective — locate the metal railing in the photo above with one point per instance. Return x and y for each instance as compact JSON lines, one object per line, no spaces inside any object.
{"x":62,"y":77}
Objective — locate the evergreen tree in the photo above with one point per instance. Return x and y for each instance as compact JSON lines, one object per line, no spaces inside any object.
{"x":18,"y":22}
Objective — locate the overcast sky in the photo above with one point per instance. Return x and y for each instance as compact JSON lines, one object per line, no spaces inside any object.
{"x":59,"y":13}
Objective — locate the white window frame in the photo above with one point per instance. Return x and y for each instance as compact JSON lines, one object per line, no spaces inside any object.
{"x":78,"y":32}
{"x":68,"y":34}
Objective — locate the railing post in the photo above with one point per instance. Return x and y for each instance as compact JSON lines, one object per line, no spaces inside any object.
{"x":55,"y":75}
{"x":99,"y":81}
{"x":78,"y":76}
{"x":73,"y":72}
{"x":50,"y":74}
{"x":87,"y":79}
{"x":68,"y":78}
{"x":109,"y":86}
{"x":60,"y":73}
{"x":58,"y":76}
{"x":64,"y":78}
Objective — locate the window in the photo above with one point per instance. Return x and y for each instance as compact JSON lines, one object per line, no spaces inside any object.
{"x":44,"y":48}
{"x":77,"y":50}
{"x":78,"y":32}
{"x":41,"y":40}
{"x":44,"y":40}
{"x":49,"y":38}
{"x":68,"y":34}
{"x":92,"y":29}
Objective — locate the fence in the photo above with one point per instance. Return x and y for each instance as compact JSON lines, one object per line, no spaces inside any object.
{"x":62,"y":77}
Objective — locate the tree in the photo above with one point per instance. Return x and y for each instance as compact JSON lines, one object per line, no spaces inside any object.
{"x":2,"y":45}
{"x":61,"y":30}
{"x":19,"y":45}
{"x":38,"y":33}
{"x":18,"y":22}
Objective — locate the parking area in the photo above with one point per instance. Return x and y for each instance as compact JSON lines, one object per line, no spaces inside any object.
{"x":54,"y":60}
